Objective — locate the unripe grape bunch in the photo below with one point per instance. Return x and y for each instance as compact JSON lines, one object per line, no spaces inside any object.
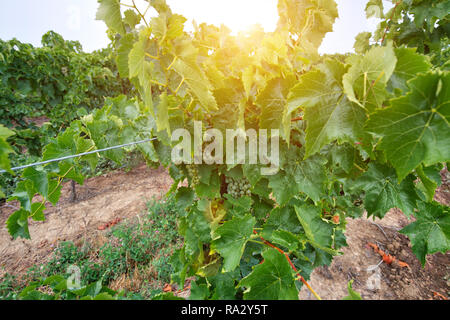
{"x":238,"y":188}
{"x":193,"y":173}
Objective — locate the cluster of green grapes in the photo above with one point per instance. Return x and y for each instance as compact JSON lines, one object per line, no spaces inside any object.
{"x":238,"y":187}
{"x":193,"y":173}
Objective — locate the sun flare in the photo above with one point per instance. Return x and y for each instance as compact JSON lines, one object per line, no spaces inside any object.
{"x":237,"y":15}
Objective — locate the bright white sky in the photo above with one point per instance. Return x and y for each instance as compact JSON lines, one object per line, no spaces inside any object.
{"x":28,"y":20}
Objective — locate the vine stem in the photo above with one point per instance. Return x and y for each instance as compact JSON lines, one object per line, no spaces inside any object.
{"x":152,"y":57}
{"x":291,"y":264}
{"x":179,"y":86}
{"x":139,"y":12}
{"x":390,"y":19}
{"x":170,"y":66}
{"x":158,"y":83}
{"x":372,"y":85}
{"x":256,"y":241}
{"x":126,"y":5}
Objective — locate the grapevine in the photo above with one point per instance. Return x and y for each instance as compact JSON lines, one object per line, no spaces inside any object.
{"x":57,"y":81}
{"x":365,"y":132}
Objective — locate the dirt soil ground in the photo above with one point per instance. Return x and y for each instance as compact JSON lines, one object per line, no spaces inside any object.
{"x":374,"y":279}
{"x":124,"y":195}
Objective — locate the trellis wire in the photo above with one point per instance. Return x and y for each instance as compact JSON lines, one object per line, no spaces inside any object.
{"x":78,"y":155}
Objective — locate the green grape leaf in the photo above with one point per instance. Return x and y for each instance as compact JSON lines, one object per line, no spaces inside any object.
{"x":204,"y":173}
{"x":199,"y":291}
{"x":17,"y":224}
{"x":252,"y":172}
{"x":131,"y":18}
{"x":159,"y":28}
{"x":344,"y":156}
{"x":24,"y":192}
{"x":274,"y":50}
{"x":383,"y":192}
{"x":164,"y":153}
{"x":415,"y":129}
{"x":230,"y":239}
{"x":209,"y":268}
{"x":162,"y":114}
{"x":352,"y":294}
{"x":224,"y":285}
{"x":5,"y":149}
{"x":123,"y":51}
{"x":85,"y":145}
{"x":329,"y":114}
{"x":309,"y":175}
{"x":430,"y":233}
{"x":161,"y":6}
{"x":192,"y":244}
{"x":309,"y":19}
{"x":228,"y":117}
{"x":109,"y":12}
{"x":63,"y":146}
{"x":286,"y":239}
{"x":103,"y":297}
{"x":185,"y":197}
{"x":145,"y":79}
{"x":429,"y":184}
{"x":362,"y":42}
{"x":365,"y":82}
{"x":375,"y":8}
{"x":429,"y":13}
{"x":136,"y":57}
{"x":273,"y":102}
{"x":175,"y":26}
{"x":39,"y":179}
{"x":69,"y":171}
{"x":180,"y":265}
{"x":186,"y":66}
{"x":409,"y":65}
{"x":54,"y":191}
{"x":37,"y":211}
{"x":143,"y":127}
{"x":270,"y":280}
{"x":262,"y":189}
{"x":167,"y":296}
{"x":261,"y":207}
{"x":281,"y":218}
{"x":5,"y":133}
{"x":211,"y":189}
{"x":317,"y":230}
{"x":238,"y":207}
{"x":283,"y":187}
{"x":200,"y":220}
{"x":140,"y":68}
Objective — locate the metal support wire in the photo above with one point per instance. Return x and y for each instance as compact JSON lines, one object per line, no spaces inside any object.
{"x":78,"y":155}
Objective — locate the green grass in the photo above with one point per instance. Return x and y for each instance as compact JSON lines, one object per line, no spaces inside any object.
{"x":142,"y":246}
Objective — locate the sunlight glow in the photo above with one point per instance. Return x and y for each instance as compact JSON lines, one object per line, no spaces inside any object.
{"x":238,"y":15}
{"x":241,"y":15}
